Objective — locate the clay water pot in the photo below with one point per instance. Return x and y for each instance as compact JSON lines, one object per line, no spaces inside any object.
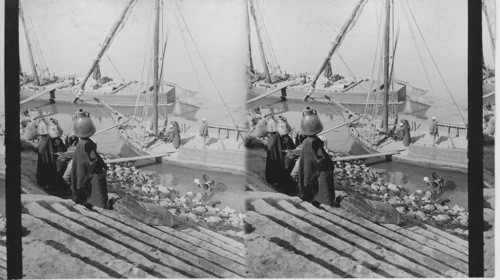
{"x":271,"y":125}
{"x":310,"y":123}
{"x":283,"y":127}
{"x":83,"y":126}
{"x":54,"y":129}
{"x":42,"y":128}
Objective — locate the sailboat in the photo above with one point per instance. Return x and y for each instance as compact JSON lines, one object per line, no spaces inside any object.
{"x":84,"y":89}
{"x":403,"y":96}
{"x":371,"y":131}
{"x":148,"y":132}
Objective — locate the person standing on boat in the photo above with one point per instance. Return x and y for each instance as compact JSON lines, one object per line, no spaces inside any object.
{"x":316,"y":182}
{"x":204,"y":132}
{"x":88,"y":172}
{"x":406,"y":133}
{"x":177,"y":134}
{"x":433,"y":131}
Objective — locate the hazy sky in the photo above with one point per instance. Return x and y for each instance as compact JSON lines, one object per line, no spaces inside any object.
{"x":302,"y":33}
{"x":69,"y":33}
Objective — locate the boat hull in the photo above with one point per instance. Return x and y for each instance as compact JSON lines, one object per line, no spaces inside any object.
{"x":398,"y":100}
{"x":418,"y":155}
{"x":120,"y":99}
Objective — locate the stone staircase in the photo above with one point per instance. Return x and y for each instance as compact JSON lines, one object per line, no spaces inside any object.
{"x":290,"y":238}
{"x":66,"y":240}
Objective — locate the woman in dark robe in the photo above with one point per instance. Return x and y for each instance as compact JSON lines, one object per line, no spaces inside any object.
{"x":176,"y":141}
{"x":276,"y":174}
{"x":316,"y":182}
{"x":287,"y":144}
{"x":49,"y":169}
{"x":88,"y":173}
{"x":45,"y":168}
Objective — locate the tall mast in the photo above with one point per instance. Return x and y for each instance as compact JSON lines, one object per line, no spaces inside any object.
{"x":385,"y":117}
{"x":262,"y":54}
{"x":249,"y":37}
{"x":30,"y":53}
{"x":112,"y":32}
{"x":336,"y":44}
{"x":490,"y":28}
{"x":155,"y":68}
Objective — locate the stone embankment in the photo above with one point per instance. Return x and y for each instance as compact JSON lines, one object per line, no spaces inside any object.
{"x":290,"y":238}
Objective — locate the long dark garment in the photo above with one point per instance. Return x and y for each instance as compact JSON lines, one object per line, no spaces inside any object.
{"x":176,"y":135}
{"x":316,"y":181}
{"x":276,"y":174}
{"x":50,"y":170}
{"x":289,"y":160}
{"x":88,"y":175}
{"x":406,"y":134}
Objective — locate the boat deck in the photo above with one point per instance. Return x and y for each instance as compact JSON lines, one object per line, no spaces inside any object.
{"x":291,"y":238}
{"x":222,"y":151}
{"x":449,"y":152}
{"x":105,"y":244}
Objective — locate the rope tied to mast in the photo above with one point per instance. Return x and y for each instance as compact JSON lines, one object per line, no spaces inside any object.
{"x":205,"y":65}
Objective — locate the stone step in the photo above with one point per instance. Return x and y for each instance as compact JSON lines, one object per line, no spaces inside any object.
{"x":196,"y":257}
{"x":430,"y":242}
{"x":182,"y":240}
{"x":74,"y":263}
{"x":290,"y":240}
{"x":353,"y":246}
{"x":101,"y":238}
{"x":450,"y":240}
{"x":3,"y":253}
{"x":226,"y":240}
{"x":412,"y":234}
{"x":211,"y":240}
{"x":411,"y":258}
{"x":266,"y":268}
{"x":161,"y":252}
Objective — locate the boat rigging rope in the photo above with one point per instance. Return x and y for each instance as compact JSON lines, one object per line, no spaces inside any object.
{"x":374,"y":60}
{"x":116,"y":69}
{"x":416,"y":46}
{"x":272,"y":29}
{"x":204,"y":65}
{"x":43,"y":34}
{"x":137,"y":100}
{"x":36,"y":43}
{"x":187,"y":52}
{"x":270,"y":46}
{"x":435,"y":64}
